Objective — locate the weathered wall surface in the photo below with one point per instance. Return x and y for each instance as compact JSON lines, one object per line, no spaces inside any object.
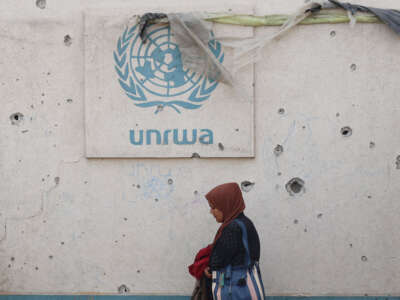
{"x":74,"y":225}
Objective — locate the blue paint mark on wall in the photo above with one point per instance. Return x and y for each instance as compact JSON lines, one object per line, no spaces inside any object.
{"x":154,"y":182}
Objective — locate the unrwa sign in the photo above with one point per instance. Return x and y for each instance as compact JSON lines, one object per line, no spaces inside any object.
{"x":142,"y":101}
{"x":157,"y":70}
{"x":206,"y":137}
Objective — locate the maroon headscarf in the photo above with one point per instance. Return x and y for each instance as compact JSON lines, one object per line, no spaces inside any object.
{"x":227,"y":198}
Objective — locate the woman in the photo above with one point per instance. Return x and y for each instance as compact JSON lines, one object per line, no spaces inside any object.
{"x":236,"y":247}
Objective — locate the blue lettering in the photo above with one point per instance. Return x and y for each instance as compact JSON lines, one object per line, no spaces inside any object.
{"x":132,"y":137}
{"x":165,"y":141}
{"x":148,"y":136}
{"x":185,"y":140}
{"x":208,"y":135}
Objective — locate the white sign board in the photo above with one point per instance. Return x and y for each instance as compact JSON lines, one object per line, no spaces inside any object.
{"x":140,"y":101}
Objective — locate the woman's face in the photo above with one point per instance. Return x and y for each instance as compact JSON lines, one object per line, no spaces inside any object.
{"x":218,"y":215}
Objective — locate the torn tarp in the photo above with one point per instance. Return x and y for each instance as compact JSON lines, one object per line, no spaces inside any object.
{"x":193,"y":34}
{"x":145,"y":21}
{"x":390,"y":17}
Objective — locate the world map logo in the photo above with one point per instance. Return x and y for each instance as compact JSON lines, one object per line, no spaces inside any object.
{"x":152,"y":74}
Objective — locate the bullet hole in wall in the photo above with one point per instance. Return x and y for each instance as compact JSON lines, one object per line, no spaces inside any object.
{"x":319,"y":216}
{"x":195,"y":192}
{"x":123,"y":289}
{"x":221,"y":146}
{"x":246,"y":185}
{"x":57,"y":180}
{"x":295,"y":186}
{"x":138,"y":186}
{"x":50,"y":256}
{"x":62,"y":243}
{"x":371,"y":145}
{"x":36,"y":268}
{"x":351,"y":245}
{"x":156,"y":199}
{"x":332,"y":33}
{"x":160,"y":107}
{"x":138,"y":271}
{"x":346,"y":131}
{"x":125,"y":219}
{"x":305,"y":229}
{"x":69,"y":100}
{"x":67,"y":40}
{"x":12,"y":258}
{"x":170,"y":181}
{"x":353,"y":67}
{"x":295,"y":221}
{"x":364,"y":258}
{"x":278,"y":150}
{"x":195,"y":155}
{"x":281,"y":111}
{"x":398,"y":162}
{"x":279,"y":173}
{"x":16,"y":118}
{"x":41,"y":4}
{"x":337,"y":115}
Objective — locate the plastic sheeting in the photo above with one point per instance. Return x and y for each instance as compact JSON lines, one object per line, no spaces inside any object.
{"x":390,"y":17}
{"x":193,"y":35}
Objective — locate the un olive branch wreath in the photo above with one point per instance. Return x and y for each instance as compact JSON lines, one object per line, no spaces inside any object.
{"x":200,"y":93}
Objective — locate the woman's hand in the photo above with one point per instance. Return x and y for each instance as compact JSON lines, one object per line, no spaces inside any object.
{"x":207,"y":272}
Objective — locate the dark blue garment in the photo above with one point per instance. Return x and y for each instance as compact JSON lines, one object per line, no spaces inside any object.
{"x":229,"y":249}
{"x":241,"y":282}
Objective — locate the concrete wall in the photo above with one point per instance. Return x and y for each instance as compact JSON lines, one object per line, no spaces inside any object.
{"x":76,"y":225}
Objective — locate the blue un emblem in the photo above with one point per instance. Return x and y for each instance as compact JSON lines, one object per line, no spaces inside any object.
{"x":152,"y":74}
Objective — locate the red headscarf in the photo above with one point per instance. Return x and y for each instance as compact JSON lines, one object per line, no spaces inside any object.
{"x":227,"y":198}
